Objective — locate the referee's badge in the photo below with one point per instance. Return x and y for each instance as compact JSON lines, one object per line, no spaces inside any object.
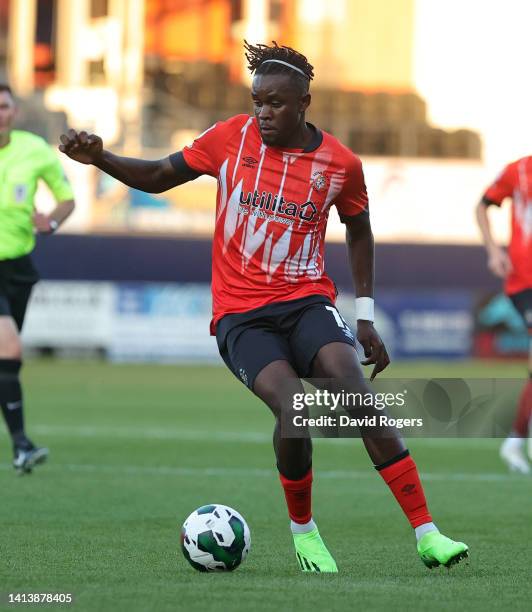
{"x":319,"y":181}
{"x":21,"y":192}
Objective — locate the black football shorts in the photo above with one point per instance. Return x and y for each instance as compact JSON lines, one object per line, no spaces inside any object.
{"x":17,"y":277}
{"x":523,"y":303}
{"x":293,"y":331}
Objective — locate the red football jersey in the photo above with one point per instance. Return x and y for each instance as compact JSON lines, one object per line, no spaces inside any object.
{"x":515,"y":181}
{"x":271,"y":212}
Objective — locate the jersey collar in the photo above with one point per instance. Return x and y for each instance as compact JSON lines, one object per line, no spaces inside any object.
{"x":317,"y":139}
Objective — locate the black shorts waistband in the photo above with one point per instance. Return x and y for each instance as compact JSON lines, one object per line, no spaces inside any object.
{"x":19,"y":270}
{"x":274,"y":309}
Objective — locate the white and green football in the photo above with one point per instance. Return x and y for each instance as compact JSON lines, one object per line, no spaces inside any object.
{"x":215,"y":538}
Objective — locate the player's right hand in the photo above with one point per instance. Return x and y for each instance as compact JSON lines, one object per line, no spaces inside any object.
{"x":374,"y":349}
{"x":80,"y":146}
{"x":499,"y":262}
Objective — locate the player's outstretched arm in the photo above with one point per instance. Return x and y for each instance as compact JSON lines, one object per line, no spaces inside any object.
{"x":151,"y":176}
{"x":498,"y":260}
{"x":360,"y":248}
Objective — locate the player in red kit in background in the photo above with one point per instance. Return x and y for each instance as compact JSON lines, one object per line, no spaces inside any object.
{"x":515,"y":266}
{"x":273,"y":305}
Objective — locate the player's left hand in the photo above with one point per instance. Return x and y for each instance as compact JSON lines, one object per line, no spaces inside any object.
{"x":41,"y":222}
{"x":373,"y":346}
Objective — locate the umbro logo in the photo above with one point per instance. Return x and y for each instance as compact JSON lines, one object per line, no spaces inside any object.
{"x":249,"y":162}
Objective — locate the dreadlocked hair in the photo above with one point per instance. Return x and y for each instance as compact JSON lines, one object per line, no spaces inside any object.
{"x":258,"y":54}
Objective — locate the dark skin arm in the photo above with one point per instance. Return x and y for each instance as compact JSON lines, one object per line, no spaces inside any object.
{"x":151,"y":176}
{"x":361,"y":250}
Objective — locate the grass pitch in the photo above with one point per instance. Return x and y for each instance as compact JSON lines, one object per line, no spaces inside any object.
{"x":134,"y":449}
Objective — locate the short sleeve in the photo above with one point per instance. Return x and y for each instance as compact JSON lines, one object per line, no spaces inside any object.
{"x":54,"y":176}
{"x":502,"y":187}
{"x":353,"y":197}
{"x":204,"y":154}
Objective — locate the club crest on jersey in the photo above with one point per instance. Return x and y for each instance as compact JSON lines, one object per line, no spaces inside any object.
{"x":319,"y":181}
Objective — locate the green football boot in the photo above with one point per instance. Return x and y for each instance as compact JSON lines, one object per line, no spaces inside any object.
{"x":312,"y":554}
{"x":436,"y":549}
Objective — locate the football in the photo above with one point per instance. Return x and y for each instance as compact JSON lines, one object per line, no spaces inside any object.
{"x":215,"y":538}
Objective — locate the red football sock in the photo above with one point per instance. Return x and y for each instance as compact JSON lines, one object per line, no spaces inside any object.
{"x":298,"y":495}
{"x":524,"y":411}
{"x":403,"y":480}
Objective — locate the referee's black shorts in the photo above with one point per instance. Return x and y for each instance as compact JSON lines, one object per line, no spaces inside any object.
{"x":523,"y":303}
{"x":293,"y":331}
{"x":17,"y":277}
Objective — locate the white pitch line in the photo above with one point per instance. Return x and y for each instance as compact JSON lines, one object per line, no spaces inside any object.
{"x":150,"y":433}
{"x":265,"y":473}
{"x":245,"y":437}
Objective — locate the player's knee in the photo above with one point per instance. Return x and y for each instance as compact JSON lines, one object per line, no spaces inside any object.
{"x":275,"y":385}
{"x":277,"y":397}
{"x":341,"y":385}
{"x":273,"y":400}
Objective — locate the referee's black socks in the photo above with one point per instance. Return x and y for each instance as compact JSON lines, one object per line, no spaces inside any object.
{"x":11,"y":399}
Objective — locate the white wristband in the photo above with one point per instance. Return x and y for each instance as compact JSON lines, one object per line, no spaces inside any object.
{"x":365,"y":308}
